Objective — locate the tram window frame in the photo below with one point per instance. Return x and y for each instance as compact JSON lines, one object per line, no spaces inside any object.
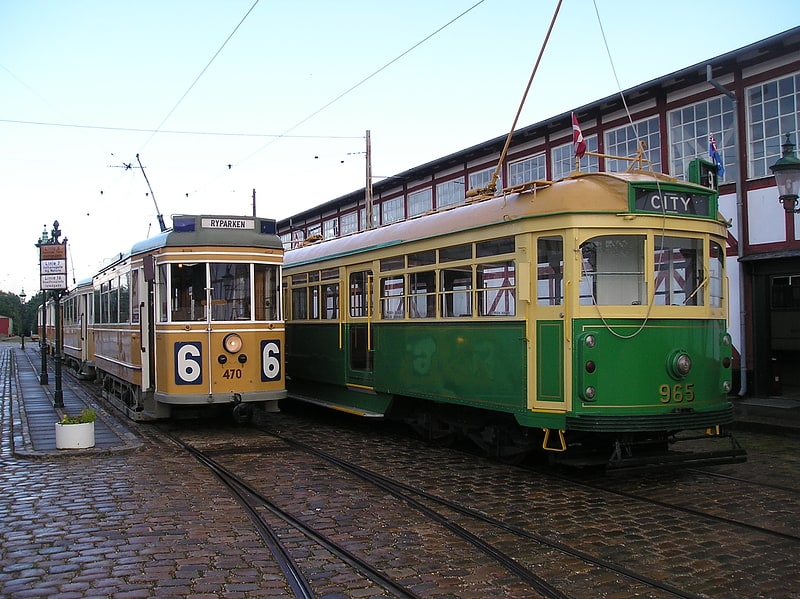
{"x":454,"y":253}
{"x":422,"y":291}
{"x":606,"y":287}
{"x":455,"y":292}
{"x":266,"y":281}
{"x":125,"y":298}
{"x":300,"y":303}
{"x":330,"y":294}
{"x":188,"y":283}
{"x":393,"y":263}
{"x":392,"y":302}
{"x":678,"y":261}
{"x":230,"y":292}
{"x":487,"y":308}
{"x":113,"y":301}
{"x":359,"y":296}
{"x":424,"y":258}
{"x":162,"y":293}
{"x":716,"y":275}
{"x":495,"y":247}
{"x":550,"y":270}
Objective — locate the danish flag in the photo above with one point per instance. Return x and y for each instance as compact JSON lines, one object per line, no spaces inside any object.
{"x":577,"y":138}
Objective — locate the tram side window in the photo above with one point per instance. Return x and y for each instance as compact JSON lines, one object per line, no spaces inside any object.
{"x":265,"y":291}
{"x":135,"y":315}
{"x":393,"y":297}
{"x":300,"y":297}
{"x":679,"y":276}
{"x":125,"y":298}
{"x":163,"y":296}
{"x":188,"y":291}
{"x":359,"y":294}
{"x":330,"y":294}
{"x":716,"y":262}
{"x":550,"y":271}
{"x":496,"y":288}
{"x":456,"y":291}
{"x":422,"y":294}
{"x":113,"y":301}
{"x":612,"y":271}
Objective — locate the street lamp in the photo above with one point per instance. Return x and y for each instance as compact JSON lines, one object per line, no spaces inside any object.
{"x":787,"y":177}
{"x":22,"y":298}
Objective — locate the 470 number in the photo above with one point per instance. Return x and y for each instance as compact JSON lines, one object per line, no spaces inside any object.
{"x":676,"y":393}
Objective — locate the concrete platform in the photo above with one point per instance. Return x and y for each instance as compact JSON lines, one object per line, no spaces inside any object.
{"x":34,"y":413}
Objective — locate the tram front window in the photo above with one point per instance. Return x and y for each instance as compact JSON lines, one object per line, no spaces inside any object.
{"x":612,"y":271}
{"x":679,"y":276}
{"x":230,"y":291}
{"x":188,"y":291}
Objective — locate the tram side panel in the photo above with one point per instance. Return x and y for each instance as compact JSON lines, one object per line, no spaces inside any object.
{"x":480,"y":364}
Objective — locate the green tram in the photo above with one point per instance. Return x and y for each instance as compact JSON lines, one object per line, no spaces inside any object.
{"x":585,"y":317}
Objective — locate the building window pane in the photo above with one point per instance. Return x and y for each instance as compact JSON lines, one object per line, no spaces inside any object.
{"x":450,"y":193}
{"x":528,"y":170}
{"x":691,"y":127}
{"x":420,"y":202}
{"x":563,"y":158}
{"x":772,"y":112}
{"x":624,"y":142}
{"x":392,"y":211}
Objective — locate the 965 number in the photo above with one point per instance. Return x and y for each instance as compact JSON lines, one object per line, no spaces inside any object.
{"x":677,"y":393}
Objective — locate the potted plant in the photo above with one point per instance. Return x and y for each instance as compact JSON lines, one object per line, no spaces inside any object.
{"x":76,"y":432}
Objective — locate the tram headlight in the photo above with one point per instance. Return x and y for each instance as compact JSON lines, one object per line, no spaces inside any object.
{"x":589,"y":393}
{"x":590,"y":340}
{"x":726,"y":386}
{"x":679,"y":364}
{"x":232,"y":343}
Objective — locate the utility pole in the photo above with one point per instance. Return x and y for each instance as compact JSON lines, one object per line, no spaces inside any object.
{"x":368,"y":187}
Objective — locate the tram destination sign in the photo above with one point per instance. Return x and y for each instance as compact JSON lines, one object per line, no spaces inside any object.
{"x":668,"y":201}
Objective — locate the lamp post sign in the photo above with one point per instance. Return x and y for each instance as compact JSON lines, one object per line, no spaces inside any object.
{"x":53,"y":266}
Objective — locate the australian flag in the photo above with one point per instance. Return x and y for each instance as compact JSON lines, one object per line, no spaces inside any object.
{"x":715,"y":157}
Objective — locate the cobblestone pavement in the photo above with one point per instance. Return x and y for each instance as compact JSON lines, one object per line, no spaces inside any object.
{"x":153,"y":522}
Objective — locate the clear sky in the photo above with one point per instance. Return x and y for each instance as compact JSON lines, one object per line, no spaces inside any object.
{"x":222,"y":97}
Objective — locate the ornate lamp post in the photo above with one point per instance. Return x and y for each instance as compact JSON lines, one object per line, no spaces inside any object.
{"x":22,"y":298}
{"x":787,"y":177}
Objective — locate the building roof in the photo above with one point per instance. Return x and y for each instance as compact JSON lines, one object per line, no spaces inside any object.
{"x":762,"y":51}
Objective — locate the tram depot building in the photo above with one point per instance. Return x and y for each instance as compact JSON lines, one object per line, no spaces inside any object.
{"x":748,"y":100}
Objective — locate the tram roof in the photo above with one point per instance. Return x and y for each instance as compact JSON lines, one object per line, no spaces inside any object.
{"x":224,"y":231}
{"x":578,"y":193}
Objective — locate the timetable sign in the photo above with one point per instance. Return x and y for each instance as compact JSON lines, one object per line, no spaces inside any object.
{"x":54,"y":267}
{"x":53,"y":282}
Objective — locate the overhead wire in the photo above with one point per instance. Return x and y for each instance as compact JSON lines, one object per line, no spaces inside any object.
{"x":363,"y":81}
{"x":205,"y":68}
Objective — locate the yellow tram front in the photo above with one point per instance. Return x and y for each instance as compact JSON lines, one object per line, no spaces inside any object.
{"x":212,"y":331}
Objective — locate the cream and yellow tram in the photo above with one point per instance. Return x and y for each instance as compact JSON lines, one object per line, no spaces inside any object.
{"x":192,"y":318}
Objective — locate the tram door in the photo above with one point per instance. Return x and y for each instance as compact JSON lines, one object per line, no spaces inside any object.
{"x":547,"y":376}
{"x":145,"y":300}
{"x":358,"y":326}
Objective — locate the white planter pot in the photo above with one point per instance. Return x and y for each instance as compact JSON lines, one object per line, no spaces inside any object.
{"x":74,"y":436}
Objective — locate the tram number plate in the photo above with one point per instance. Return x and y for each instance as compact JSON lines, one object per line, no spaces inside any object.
{"x":232,"y":373}
{"x":676,"y":393}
